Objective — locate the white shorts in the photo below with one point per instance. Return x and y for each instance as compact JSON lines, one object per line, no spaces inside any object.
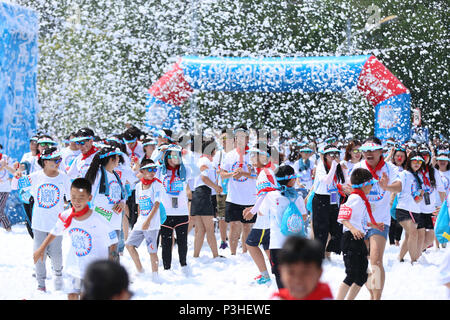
{"x":74,"y":285}
{"x":137,"y":236}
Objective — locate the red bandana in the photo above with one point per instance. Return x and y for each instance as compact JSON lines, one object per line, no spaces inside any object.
{"x":147,"y":182}
{"x":321,"y":292}
{"x":360,"y":193}
{"x":426,"y":181}
{"x":68,"y":220}
{"x":89,"y":153}
{"x":241,"y":156}
{"x":174,"y":170}
{"x":377,"y":168}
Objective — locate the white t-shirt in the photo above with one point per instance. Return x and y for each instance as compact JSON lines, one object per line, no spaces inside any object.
{"x":241,"y":191}
{"x":173,"y":196}
{"x":350,"y":165}
{"x":406,"y":197}
{"x":146,"y":199}
{"x":79,"y":166}
{"x":354,"y":210}
{"x":262,"y":182}
{"x":90,"y":240}
{"x":5,"y":176}
{"x":32,"y":160}
{"x":445,"y":178}
{"x":103,"y":204}
{"x":48,"y":193}
{"x":380,"y":199}
{"x":305,"y":176}
{"x":68,"y":156}
{"x":210,"y":172}
{"x":277,"y":204}
{"x":321,"y":186}
{"x":138,"y":151}
{"x":434,"y":192}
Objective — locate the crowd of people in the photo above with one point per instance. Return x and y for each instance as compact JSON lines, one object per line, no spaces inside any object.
{"x":295,"y":202}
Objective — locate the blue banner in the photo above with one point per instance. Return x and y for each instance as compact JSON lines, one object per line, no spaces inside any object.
{"x":161,"y":115}
{"x":393,"y":118}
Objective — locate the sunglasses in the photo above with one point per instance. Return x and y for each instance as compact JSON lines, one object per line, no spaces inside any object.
{"x":173,"y":157}
{"x":58,"y":160}
{"x":152,"y":169}
{"x":333,"y":154}
{"x":416,"y":161}
{"x":356,"y":151}
{"x":46,"y":144}
{"x":306,"y":151}
{"x":82,"y":142}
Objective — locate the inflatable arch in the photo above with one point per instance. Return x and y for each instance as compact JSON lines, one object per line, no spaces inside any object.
{"x":390,"y":98}
{"x":18,"y":89}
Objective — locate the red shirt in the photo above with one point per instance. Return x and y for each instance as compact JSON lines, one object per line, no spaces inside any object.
{"x":321,"y":292}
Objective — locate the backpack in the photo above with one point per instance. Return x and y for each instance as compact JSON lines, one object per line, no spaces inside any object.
{"x":442,"y":226}
{"x":162,"y":213}
{"x":394,"y":207}
{"x":292,"y":223}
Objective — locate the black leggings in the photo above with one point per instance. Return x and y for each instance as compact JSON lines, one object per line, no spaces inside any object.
{"x":325,"y":221}
{"x":395,"y":231}
{"x":275,"y":270}
{"x":29,"y":211}
{"x":132,"y":209}
{"x":180,"y":225}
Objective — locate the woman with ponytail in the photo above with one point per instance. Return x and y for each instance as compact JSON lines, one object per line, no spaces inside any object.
{"x":107,"y":189}
{"x":433,"y":190}
{"x":329,"y":186}
{"x":174,"y":177}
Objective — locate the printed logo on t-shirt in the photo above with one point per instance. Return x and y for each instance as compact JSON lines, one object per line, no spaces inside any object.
{"x":376,"y":194}
{"x":81,"y":241}
{"x":173,"y":188}
{"x":104,"y":213}
{"x":48,"y":195}
{"x":70,"y":159}
{"x":345,"y":212}
{"x":115,"y":192}
{"x":24,"y":182}
{"x":245,"y":167}
{"x":145,"y":205}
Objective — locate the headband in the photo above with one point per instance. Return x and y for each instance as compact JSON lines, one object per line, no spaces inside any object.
{"x":161,"y":133}
{"x":150,"y":165}
{"x":419,"y":158}
{"x":255,"y":150}
{"x":47,"y":141}
{"x":129,"y":141}
{"x":289,"y":177}
{"x":53,"y":155}
{"x":82,"y":138}
{"x":111,"y":153}
{"x":114,"y":139}
{"x":306,"y":150}
{"x":443,"y":158}
{"x":367,"y":183}
{"x":331,"y":150}
{"x":370,"y":146}
{"x":149,"y":142}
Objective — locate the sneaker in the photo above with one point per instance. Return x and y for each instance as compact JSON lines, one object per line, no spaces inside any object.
{"x":223,"y":245}
{"x":264,"y":280}
{"x":156,"y":278}
{"x":59,"y":282}
{"x":42,"y":289}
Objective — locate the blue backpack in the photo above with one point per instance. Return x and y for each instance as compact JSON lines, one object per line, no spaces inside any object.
{"x":162,"y":213}
{"x":442,"y":226}
{"x":394,"y":207}
{"x":292,"y":223}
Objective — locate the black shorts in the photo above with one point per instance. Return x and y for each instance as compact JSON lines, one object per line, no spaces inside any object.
{"x":403,"y":215}
{"x":425,"y":221}
{"x":355,"y":259}
{"x":233,"y":212}
{"x":258,"y":237}
{"x":201,"y":204}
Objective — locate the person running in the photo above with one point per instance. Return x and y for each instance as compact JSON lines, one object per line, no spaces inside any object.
{"x":330,"y":179}
{"x":134,"y":147}
{"x":108,"y":192}
{"x":434,"y":195}
{"x":260,"y":158}
{"x":241,"y":188}
{"x":148,"y":224}
{"x":352,"y":155}
{"x":174,"y":176}
{"x":226,"y":144}
{"x":85,"y":139}
{"x":356,"y":215}
{"x":5,"y":187}
{"x":380,"y":198}
{"x":408,"y":206}
{"x":202,"y":207}
{"x":90,"y":238}
{"x":305,"y":168}
{"x":70,"y":152}
{"x":398,"y":158}
{"x":50,"y":187}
